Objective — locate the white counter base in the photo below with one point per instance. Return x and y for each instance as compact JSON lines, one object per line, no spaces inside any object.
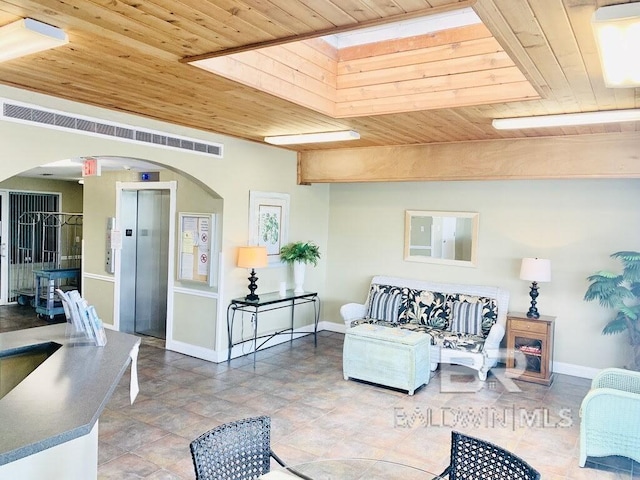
{"x":76,"y":459}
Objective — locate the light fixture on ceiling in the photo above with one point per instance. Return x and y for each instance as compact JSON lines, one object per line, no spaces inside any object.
{"x":568,"y":119}
{"x":27,"y":36}
{"x":617,"y":32}
{"x":313,"y":137}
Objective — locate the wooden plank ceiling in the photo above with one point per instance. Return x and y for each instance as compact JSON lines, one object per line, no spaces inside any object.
{"x":128,"y":55}
{"x":449,"y":68}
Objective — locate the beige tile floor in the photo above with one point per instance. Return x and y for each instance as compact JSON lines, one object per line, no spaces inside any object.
{"x":316,"y":414}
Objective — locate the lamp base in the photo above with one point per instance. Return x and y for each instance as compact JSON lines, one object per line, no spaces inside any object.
{"x":533,"y":310}
{"x":253,"y":285}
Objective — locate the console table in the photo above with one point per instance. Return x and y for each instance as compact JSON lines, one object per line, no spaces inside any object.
{"x":265,"y":303}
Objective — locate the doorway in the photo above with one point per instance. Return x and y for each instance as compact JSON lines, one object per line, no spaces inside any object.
{"x":28,"y":244}
{"x":4,"y":238}
{"x":144,"y":261}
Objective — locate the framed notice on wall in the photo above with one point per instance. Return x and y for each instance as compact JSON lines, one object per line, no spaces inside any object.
{"x":197,"y":238}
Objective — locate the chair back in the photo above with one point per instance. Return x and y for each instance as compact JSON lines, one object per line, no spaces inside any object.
{"x":475,"y":458}
{"x":237,"y":450}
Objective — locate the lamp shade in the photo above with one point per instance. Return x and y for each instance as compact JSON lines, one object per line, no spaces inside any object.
{"x":535,"y":270}
{"x":252,"y":257}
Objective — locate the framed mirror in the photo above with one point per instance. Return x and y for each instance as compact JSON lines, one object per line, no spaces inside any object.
{"x":449,"y":238}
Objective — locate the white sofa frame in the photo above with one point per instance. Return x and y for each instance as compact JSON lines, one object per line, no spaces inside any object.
{"x":482,"y":361}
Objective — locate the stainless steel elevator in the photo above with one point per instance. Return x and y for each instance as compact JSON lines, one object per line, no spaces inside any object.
{"x":144,"y":223}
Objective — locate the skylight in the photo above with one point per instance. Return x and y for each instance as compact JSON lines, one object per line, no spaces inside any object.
{"x":404,"y":29}
{"x":445,"y":60}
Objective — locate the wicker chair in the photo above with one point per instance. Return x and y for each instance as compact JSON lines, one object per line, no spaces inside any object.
{"x":238,"y":450}
{"x":610,"y":416}
{"x":472,"y":458}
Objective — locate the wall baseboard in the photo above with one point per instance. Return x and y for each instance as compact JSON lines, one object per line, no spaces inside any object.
{"x":332,"y":326}
{"x":194,"y":351}
{"x":238,"y":351}
{"x":574,"y":370}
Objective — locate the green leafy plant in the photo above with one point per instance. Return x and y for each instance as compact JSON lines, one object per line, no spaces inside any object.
{"x":620,"y":292}
{"x":305,"y":252}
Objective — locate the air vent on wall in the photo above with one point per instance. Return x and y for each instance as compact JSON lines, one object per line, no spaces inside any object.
{"x":25,"y":113}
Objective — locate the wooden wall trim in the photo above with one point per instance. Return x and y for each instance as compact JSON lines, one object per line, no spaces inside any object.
{"x":614,"y":155}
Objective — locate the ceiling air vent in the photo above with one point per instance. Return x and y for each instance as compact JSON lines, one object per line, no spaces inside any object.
{"x":44,"y":117}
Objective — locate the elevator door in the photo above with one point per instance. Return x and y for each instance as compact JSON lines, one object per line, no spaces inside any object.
{"x":144,"y":221}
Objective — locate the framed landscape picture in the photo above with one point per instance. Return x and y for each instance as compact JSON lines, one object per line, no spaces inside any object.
{"x":269,"y":222}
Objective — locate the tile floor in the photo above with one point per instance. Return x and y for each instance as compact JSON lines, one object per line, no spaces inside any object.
{"x":317,"y":414}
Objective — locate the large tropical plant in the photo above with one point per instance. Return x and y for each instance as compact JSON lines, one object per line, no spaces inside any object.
{"x":621,"y":292}
{"x":305,"y":252}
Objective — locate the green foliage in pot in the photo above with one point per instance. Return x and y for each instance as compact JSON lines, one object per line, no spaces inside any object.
{"x":620,"y":292}
{"x":305,"y":252}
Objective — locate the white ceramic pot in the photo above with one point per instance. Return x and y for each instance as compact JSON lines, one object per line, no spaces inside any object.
{"x":298,"y":276}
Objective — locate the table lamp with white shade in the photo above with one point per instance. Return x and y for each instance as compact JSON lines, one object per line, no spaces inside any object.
{"x":252,"y":257}
{"x":535,"y":270}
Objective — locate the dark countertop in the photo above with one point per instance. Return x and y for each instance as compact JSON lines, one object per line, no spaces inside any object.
{"x":63,"y":398}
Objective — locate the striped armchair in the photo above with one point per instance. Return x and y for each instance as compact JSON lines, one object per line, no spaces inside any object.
{"x":610,"y":416}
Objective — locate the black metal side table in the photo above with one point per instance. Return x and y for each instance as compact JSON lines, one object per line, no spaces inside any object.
{"x":267,"y":302}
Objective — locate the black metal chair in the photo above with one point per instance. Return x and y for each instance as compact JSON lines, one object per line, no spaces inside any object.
{"x":472,"y":458}
{"x":239,"y":450}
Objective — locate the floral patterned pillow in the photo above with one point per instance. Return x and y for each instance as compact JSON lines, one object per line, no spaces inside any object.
{"x":489,"y":309}
{"x":424,"y":307}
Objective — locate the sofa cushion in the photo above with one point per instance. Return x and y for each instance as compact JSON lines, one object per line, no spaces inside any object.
{"x":424,"y":307}
{"x":447,"y":339}
{"x":489,"y":309}
{"x":466,"y":317}
{"x":384,"y":306}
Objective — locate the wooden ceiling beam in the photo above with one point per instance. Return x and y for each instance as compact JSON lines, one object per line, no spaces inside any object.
{"x":579,"y":156}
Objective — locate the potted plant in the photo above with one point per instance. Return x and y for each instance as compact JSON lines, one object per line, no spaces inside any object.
{"x":299,"y":254}
{"x":622,"y":293}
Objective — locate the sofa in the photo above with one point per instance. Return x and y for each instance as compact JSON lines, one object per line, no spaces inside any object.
{"x":466,"y":322}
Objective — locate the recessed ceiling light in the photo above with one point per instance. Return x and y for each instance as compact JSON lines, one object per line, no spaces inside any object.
{"x":27,"y":36}
{"x":313,"y":137}
{"x":617,"y":32}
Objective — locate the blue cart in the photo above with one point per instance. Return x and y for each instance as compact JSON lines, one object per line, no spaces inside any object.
{"x":47,"y":302}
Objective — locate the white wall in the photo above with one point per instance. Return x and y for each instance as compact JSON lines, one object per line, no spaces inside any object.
{"x":577,"y":224}
{"x":359,"y":227}
{"x":245,"y":166}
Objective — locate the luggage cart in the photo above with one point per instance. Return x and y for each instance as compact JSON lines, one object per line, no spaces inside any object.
{"x":45,"y":242}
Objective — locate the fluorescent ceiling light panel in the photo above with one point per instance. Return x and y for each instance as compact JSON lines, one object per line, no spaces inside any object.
{"x":313,"y":137}
{"x":462,"y":17}
{"x":617,"y":32}
{"x":27,"y":36}
{"x":568,"y":119}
